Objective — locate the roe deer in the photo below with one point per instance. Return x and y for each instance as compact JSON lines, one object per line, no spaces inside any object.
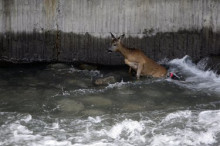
{"x":137,"y":60}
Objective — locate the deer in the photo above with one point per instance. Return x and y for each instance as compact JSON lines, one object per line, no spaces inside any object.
{"x":137,"y":60}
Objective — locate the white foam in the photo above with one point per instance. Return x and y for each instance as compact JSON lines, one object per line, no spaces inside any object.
{"x":177,"y":128}
{"x":86,"y":91}
{"x":196,"y":129}
{"x":97,"y":144}
{"x":16,"y":133}
{"x":27,"y":118}
{"x":127,"y":129}
{"x":50,"y":141}
{"x":117,"y":85}
{"x":190,"y":67}
{"x":55,"y":125}
{"x":95,"y":90}
{"x":65,"y":93}
{"x":177,"y":115}
{"x":173,"y":129}
{"x":196,"y":77}
{"x":210,"y":117}
{"x":95,"y":120}
{"x":96,"y":132}
{"x":159,"y":140}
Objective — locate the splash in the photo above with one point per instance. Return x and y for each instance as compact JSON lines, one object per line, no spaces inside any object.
{"x":196,"y":76}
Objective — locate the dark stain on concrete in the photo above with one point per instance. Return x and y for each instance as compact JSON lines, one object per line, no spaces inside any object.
{"x":70,"y":47}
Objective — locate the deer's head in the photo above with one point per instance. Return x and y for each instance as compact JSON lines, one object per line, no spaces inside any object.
{"x":115,"y":43}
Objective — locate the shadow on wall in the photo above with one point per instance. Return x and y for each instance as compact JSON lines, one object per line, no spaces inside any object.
{"x":70,"y":47}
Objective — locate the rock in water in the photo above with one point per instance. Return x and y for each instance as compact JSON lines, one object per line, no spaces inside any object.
{"x":97,"y":101}
{"x":3,"y":83}
{"x":58,"y":66}
{"x":105,"y":80}
{"x":132,"y":107}
{"x":87,"y":67}
{"x":93,"y":112}
{"x":68,"y":105}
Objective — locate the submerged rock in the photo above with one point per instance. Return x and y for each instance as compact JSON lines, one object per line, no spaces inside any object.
{"x":132,"y":107}
{"x":49,"y":92}
{"x":152,"y":93}
{"x":93,"y":112}
{"x":30,"y":93}
{"x":87,"y":67}
{"x":78,"y":83}
{"x":58,"y":66}
{"x":105,"y":80}
{"x":113,"y":75}
{"x":125,"y":91}
{"x":68,"y":105}
{"x":3,"y":83}
{"x":97,"y":101}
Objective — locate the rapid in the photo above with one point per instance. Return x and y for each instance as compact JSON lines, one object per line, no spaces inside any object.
{"x":58,"y":105}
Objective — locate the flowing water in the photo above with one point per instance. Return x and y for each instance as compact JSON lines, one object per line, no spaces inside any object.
{"x":58,"y":105}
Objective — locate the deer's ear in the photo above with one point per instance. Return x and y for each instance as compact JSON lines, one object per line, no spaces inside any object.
{"x":121,"y":37}
{"x":113,"y":37}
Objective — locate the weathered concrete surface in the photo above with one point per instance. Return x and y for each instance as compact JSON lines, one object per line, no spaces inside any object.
{"x":78,"y":30}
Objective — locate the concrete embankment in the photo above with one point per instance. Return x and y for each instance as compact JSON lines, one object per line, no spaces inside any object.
{"x":78,"y":30}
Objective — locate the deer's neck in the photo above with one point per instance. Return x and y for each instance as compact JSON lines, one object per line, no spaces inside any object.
{"x":123,"y":50}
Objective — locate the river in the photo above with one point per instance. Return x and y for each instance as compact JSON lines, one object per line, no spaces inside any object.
{"x":58,"y":105}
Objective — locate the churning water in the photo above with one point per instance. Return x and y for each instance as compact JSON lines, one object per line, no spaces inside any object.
{"x":58,"y":105}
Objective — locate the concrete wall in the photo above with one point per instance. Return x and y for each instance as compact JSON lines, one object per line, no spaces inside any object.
{"x":78,"y":30}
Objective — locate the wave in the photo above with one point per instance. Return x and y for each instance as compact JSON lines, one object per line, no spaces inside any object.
{"x":178,"y":128}
{"x":195,"y":75}
{"x":152,"y":128}
{"x":16,"y":132}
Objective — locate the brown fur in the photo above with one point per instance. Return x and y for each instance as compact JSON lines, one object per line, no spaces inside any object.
{"x":138,"y":61}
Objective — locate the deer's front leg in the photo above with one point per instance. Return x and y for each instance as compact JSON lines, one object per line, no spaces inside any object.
{"x":140,"y":68}
{"x":132,"y":65}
